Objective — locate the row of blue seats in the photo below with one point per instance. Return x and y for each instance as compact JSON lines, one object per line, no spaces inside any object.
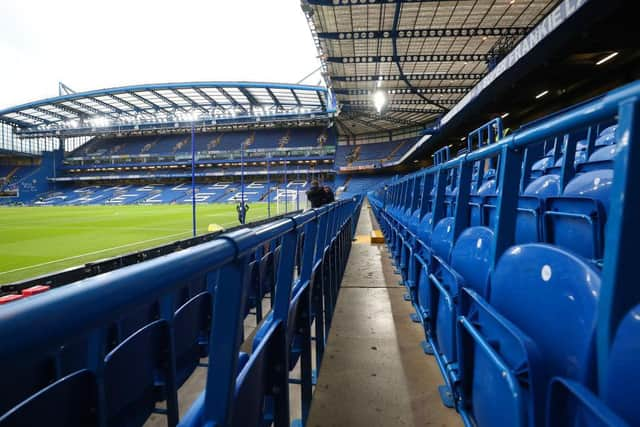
{"x":275,"y":172}
{"x":19,"y":174}
{"x":116,"y":345}
{"x":372,"y":153}
{"x":158,"y":193}
{"x":358,"y":184}
{"x":209,"y":141}
{"x":518,"y":275}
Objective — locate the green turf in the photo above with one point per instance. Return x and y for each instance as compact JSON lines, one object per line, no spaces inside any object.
{"x":40,"y":240}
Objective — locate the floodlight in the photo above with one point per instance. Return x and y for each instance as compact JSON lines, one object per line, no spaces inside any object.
{"x":379,"y":100}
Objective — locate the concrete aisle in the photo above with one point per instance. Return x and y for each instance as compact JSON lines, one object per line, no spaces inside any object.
{"x":374,"y":372}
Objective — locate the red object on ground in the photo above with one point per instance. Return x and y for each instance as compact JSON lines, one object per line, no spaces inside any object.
{"x":8,"y":298}
{"x":38,"y":289}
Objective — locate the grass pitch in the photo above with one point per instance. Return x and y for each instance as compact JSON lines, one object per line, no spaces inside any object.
{"x":39,"y":240}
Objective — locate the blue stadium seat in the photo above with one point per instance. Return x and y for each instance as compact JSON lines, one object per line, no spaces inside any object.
{"x":69,"y":402}
{"x":576,"y":220}
{"x":192,"y":326}
{"x":268,"y":272}
{"x":571,"y":403}
{"x":607,"y":136}
{"x":136,"y":375}
{"x":24,"y":379}
{"x":530,"y":208}
{"x":602,"y":158}
{"x":253,"y":404}
{"x":469,"y":268}
{"x":539,"y":322}
{"x":424,"y":229}
{"x":255,"y":290}
{"x":132,"y":322}
{"x":442,"y":238}
{"x":540,"y":167}
{"x":479,"y":198}
{"x":471,"y":257}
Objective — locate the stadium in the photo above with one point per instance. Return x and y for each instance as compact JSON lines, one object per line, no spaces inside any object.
{"x":166,"y":259}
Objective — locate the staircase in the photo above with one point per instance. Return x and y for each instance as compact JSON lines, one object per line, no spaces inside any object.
{"x":149,"y":146}
{"x":354,"y":155}
{"x":180,"y":144}
{"x":249,"y":141}
{"x":322,"y":139}
{"x":214,"y":142}
{"x":394,"y":151}
{"x":11,"y":174}
{"x":284,"y":140}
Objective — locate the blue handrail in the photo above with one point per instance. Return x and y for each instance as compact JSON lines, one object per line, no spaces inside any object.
{"x":43,"y":325}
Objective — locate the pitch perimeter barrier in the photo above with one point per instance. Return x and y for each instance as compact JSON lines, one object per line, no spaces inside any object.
{"x":89,"y":269}
{"x":105,"y":350}
{"x":518,"y":258}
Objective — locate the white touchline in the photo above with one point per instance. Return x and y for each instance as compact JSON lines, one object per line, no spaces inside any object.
{"x":92,"y":253}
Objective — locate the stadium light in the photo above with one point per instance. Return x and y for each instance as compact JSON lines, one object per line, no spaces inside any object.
{"x":607,"y":58}
{"x":379,"y":100}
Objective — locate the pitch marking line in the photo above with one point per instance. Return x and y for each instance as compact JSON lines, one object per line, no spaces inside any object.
{"x":92,"y":253}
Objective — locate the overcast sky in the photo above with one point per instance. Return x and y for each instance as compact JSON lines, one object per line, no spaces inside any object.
{"x":92,"y":44}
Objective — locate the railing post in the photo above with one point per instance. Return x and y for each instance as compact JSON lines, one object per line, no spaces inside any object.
{"x":461,"y":213}
{"x":619,"y":291}
{"x":507,"y":205}
{"x":226,"y":334}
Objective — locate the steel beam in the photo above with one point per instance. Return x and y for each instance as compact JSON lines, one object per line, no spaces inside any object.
{"x":429,"y":90}
{"x":337,"y":3}
{"x":426,"y":33}
{"x":168,"y":101}
{"x":231,"y":99}
{"x":206,"y":96}
{"x":471,"y":57}
{"x":401,"y":102}
{"x":425,"y":76}
{"x":372,"y":110}
{"x":370,"y":114}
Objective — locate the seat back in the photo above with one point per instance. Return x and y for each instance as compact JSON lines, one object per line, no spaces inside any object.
{"x":267,"y":272}
{"x":137,"y":319}
{"x":623,"y":376}
{"x":551,"y":296}
{"x":442,"y":238}
{"x":576,"y":220}
{"x":607,"y":136}
{"x":424,"y":228}
{"x":544,"y":186}
{"x":295,"y":322}
{"x":69,"y":402}
{"x":471,"y":257}
{"x":192,"y":325}
{"x":254,"y":382}
{"x":528,"y":217}
{"x":134,"y":375}
{"x":24,"y":378}
{"x":540,"y":167}
{"x":450,"y":200}
{"x":254,"y":286}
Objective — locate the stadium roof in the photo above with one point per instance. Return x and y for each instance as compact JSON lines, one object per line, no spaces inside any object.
{"x":170,"y":105}
{"x":424,"y":55}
